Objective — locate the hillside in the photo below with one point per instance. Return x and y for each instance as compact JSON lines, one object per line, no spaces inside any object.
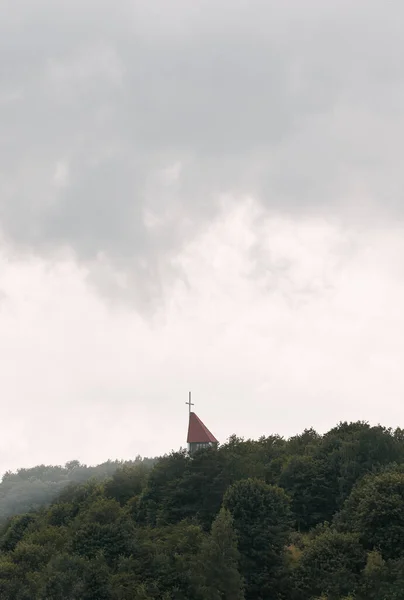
{"x":30,"y":489}
{"x":315,"y":516}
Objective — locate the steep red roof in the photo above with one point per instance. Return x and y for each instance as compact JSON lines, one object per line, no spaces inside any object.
{"x":198,"y":432}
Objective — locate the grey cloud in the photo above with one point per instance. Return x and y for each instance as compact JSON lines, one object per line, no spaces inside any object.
{"x":299,"y":103}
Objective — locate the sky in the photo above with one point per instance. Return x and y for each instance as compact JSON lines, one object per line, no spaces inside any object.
{"x":203,"y":196}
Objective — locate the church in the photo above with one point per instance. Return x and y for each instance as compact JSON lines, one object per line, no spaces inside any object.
{"x":199,"y":435}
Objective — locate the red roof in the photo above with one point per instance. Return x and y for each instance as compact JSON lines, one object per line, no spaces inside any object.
{"x":197,"y":432}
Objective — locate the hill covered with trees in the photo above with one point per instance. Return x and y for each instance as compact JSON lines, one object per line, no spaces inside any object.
{"x":312,"y":517}
{"x":30,"y":489}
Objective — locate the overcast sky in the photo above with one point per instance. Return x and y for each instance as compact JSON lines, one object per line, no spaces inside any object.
{"x":203,"y":195}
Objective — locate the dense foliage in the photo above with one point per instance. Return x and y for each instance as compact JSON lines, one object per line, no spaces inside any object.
{"x":309,"y":518}
{"x":30,"y":489}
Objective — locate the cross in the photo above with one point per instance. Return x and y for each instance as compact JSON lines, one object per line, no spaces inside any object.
{"x":189,"y":403}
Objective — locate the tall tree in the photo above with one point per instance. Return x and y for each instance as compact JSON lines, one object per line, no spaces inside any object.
{"x":262,"y":518}
{"x":331,"y":565}
{"x":375,"y":510}
{"x":309,"y":483}
{"x":218,"y":562}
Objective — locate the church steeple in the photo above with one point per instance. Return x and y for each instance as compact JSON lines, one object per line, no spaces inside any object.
{"x":199,"y":435}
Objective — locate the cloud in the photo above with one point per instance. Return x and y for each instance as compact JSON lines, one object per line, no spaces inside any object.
{"x":233,"y":171}
{"x":313,"y":338}
{"x":148,"y":112}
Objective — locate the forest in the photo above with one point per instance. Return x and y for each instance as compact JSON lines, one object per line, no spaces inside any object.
{"x":30,"y":489}
{"x":313,"y":517}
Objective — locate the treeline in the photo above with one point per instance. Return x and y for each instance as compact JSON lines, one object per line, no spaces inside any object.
{"x":312,"y":517}
{"x":30,"y":489}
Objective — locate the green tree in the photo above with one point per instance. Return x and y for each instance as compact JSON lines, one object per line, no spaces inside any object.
{"x":331,"y":565}
{"x":261,"y":515}
{"x":96,"y":580}
{"x":10,"y":580}
{"x":14,"y":531}
{"x":375,"y":511}
{"x":304,"y":444}
{"x":374,"y":577}
{"x":128,"y":481}
{"x":63,"y":578}
{"x":219,"y":577}
{"x":393,"y":585}
{"x":163,"y":500}
{"x":310,"y":485}
{"x":356,"y":449}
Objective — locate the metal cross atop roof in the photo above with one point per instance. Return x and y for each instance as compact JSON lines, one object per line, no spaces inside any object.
{"x":189,"y":403}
